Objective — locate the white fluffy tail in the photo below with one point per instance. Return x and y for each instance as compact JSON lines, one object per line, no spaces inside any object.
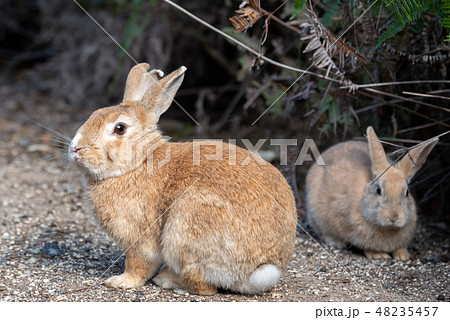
{"x":261,"y":280}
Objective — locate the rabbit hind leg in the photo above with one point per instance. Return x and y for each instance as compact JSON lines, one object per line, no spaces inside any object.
{"x":192,"y":281}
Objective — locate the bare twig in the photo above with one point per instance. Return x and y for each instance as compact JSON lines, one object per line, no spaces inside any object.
{"x":408,"y":110}
{"x":227,"y":113}
{"x":425,"y":95}
{"x":438,"y":91}
{"x":395,"y":83}
{"x":270,"y":15}
{"x":442,"y":134}
{"x":257,"y":93}
{"x":423,"y":142}
{"x":423,"y":126}
{"x":284,"y":24}
{"x":430,"y":175}
{"x":384,"y":141}
{"x":426,"y":196}
{"x":407,"y":99}
{"x":377,"y":105}
{"x":411,"y":141}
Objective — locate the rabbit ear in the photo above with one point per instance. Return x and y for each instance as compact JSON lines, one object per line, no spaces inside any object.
{"x":377,"y":154}
{"x":159,"y":97}
{"x":414,"y":160}
{"x":139,"y":81}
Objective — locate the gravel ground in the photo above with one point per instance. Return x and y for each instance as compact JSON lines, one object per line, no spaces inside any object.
{"x":51,"y":248}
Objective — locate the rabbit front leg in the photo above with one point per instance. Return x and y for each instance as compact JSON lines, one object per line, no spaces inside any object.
{"x":137,"y":270}
{"x":377,"y":255}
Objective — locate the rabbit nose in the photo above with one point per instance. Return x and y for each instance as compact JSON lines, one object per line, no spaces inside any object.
{"x":76,"y":149}
{"x":393,"y":217}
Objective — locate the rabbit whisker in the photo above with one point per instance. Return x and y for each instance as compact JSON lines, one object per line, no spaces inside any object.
{"x":60,"y":141}
{"x":69,"y":167}
{"x":61,"y":134}
{"x":60,"y":146}
{"x":65,"y":171}
{"x":57,"y":165}
{"x":58,"y":156}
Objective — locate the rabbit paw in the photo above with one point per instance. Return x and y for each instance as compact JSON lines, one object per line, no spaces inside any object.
{"x":124,"y":281}
{"x":165,"y":282}
{"x":401,"y":254}
{"x":333,"y":242}
{"x":377,"y":255}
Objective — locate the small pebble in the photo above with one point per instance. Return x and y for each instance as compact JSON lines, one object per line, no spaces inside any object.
{"x":345,"y":280}
{"x":52,"y":249}
{"x":431,"y":258}
{"x":322,"y":269}
{"x":180,"y":291}
{"x":32,"y":260}
{"x":23,"y":142}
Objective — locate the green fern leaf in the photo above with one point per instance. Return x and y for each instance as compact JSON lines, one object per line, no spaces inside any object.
{"x":406,"y":12}
{"x":391,"y":30}
{"x":298,"y":6}
{"x":445,"y":16}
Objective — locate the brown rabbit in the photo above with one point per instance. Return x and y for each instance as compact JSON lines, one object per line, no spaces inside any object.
{"x":352,"y":199}
{"x":226,"y":223}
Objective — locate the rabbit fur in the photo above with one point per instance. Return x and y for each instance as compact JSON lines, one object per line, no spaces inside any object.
{"x":355,"y":199}
{"x":208,"y":226}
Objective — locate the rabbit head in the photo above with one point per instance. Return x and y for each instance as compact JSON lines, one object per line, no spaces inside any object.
{"x":110,"y":143}
{"x":387,"y":201}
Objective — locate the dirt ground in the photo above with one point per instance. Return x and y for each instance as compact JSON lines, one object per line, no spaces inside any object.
{"x":51,"y":248}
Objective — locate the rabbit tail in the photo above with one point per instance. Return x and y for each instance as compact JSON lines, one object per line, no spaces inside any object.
{"x":261,"y":280}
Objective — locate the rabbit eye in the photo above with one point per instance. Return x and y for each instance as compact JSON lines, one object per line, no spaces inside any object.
{"x":120,"y":129}
{"x":379,"y":190}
